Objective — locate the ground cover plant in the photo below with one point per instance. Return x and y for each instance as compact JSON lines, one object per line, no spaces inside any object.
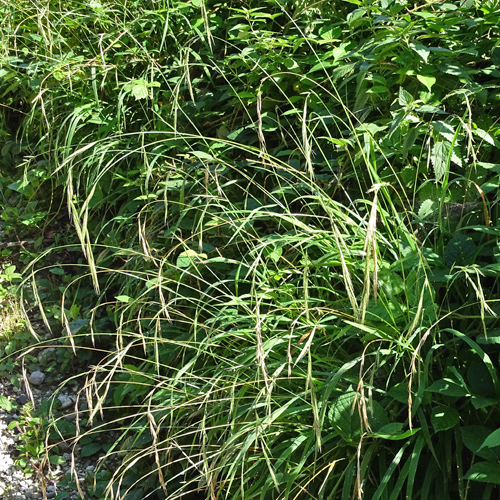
{"x":274,"y":231}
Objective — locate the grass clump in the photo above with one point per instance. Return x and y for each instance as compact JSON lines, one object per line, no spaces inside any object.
{"x":282,"y":238}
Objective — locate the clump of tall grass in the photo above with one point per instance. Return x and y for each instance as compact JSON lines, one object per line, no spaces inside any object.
{"x":282,"y":305}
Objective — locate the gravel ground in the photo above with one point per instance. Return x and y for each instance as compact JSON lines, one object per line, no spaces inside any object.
{"x":14,"y":484}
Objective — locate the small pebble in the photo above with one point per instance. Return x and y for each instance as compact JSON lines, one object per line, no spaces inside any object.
{"x":22,"y":399}
{"x":36,"y":378}
{"x":66,"y":401}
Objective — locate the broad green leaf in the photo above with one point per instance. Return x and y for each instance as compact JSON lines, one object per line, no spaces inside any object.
{"x":273,"y":252}
{"x":409,"y":140}
{"x":344,"y":415}
{"x":448,"y":387}
{"x":138,"y":88}
{"x":454,"y":69}
{"x":460,"y":251}
{"x":455,"y":158}
{"x":480,"y":380}
{"x":492,"y":441}
{"x":492,"y":337}
{"x":405,"y":98}
{"x":124,"y":298}
{"x":444,"y":418}
{"x":473,"y":437}
{"x":391,"y":282}
{"x":479,"y":402}
{"x":189,"y":257}
{"x":485,"y":136}
{"x":399,"y":392}
{"x":7,"y":405}
{"x":439,"y":159}
{"x":427,"y":80}
{"x":485,"y":472}
{"x":90,"y":449}
{"x":57,"y":460}
{"x":427,"y":209}
{"x":77,"y":324}
{"x":444,"y":129}
{"x":427,"y":108}
{"x":202,"y":155}
{"x":57,"y":270}
{"x":421,"y":50}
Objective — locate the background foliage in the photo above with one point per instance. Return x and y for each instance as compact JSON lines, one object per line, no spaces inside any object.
{"x":272,"y":229}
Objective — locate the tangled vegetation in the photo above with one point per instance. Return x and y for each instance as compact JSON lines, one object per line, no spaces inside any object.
{"x":269,"y":231}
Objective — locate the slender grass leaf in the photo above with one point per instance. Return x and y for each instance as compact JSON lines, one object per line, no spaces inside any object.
{"x":389,"y":432}
{"x":382,"y":489}
{"x":414,"y":465}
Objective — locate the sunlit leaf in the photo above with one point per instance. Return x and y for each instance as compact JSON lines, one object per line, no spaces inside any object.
{"x":485,"y":472}
{"x":427,"y":80}
{"x":444,"y":418}
{"x":439,"y":159}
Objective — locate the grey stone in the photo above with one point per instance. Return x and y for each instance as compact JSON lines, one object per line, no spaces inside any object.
{"x":66,"y":401}
{"x":22,"y":399}
{"x":50,"y":491}
{"x":46,"y":355}
{"x":36,"y":378}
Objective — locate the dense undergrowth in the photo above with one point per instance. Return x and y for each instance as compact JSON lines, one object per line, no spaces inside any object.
{"x":275,"y":227}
